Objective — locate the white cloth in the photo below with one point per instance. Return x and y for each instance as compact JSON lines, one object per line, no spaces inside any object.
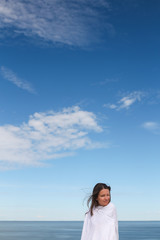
{"x":103,"y":225}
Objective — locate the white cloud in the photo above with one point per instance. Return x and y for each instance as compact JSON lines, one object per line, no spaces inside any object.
{"x":105,"y":82}
{"x":127,"y":101}
{"x":75,"y":23}
{"x":154,"y":127}
{"x":111,"y":106}
{"x":47,"y":135}
{"x":11,"y":76}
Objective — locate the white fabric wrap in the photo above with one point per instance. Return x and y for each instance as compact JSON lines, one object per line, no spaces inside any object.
{"x":103,"y":225}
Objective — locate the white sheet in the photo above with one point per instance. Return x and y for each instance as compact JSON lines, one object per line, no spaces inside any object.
{"x":103,"y":225}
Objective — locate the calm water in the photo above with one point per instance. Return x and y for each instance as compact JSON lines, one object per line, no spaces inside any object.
{"x":72,"y":230}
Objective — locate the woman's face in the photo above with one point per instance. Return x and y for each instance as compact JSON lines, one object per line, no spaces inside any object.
{"x":104,"y":197}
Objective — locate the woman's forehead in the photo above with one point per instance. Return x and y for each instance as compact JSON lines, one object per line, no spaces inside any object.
{"x":104,"y":191}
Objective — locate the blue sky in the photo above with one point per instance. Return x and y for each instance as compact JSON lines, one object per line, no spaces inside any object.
{"x":80,"y":97}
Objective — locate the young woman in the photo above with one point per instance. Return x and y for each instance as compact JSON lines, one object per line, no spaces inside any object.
{"x":101,"y":220}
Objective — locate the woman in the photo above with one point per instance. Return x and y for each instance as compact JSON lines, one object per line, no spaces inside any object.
{"x":101,"y":220}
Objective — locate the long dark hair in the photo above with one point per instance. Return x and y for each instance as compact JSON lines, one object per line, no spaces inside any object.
{"x":92,"y":200}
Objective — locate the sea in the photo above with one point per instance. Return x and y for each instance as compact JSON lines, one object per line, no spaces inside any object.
{"x":58,"y":230}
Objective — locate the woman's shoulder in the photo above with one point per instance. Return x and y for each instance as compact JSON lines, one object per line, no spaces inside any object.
{"x":88,"y":214}
{"x":111,"y":206}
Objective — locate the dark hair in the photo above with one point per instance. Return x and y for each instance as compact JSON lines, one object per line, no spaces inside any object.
{"x":93,"y":198}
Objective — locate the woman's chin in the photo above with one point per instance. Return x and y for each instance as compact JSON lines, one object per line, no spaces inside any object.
{"x":104,"y":204}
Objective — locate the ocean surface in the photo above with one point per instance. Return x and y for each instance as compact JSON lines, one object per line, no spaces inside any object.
{"x":72,"y":230}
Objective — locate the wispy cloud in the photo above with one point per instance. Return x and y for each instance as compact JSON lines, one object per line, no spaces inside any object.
{"x":126,"y":101}
{"x":47,"y":135}
{"x":105,"y":82}
{"x":75,"y":23}
{"x":11,"y":76}
{"x":153,"y":127}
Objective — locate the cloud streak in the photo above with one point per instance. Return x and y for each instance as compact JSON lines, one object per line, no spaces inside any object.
{"x":74,"y":23}
{"x":47,"y":135}
{"x":127,"y":101}
{"x":10,"y":76}
{"x":153,"y":127}
{"x":105,"y":82}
